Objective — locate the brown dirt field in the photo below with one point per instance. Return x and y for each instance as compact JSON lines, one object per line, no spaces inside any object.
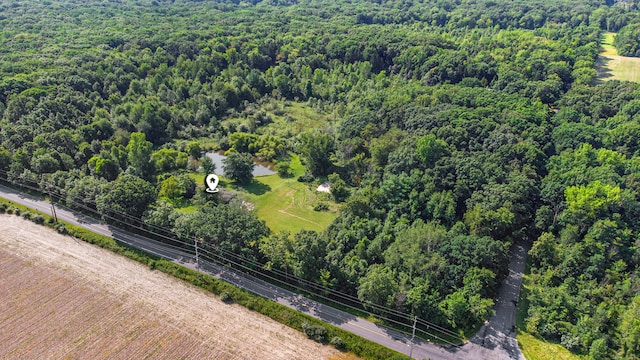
{"x":63,"y":298}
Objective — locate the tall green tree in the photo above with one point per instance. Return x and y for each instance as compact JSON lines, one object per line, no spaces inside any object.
{"x":378,"y":287}
{"x":139,"y":156}
{"x":431,"y":149}
{"x":228,"y":227}
{"x":630,"y":328}
{"x":316,"y":147}
{"x":339,"y":189}
{"x":208,"y":166}
{"x":5,"y":159}
{"x":239,"y":167}
{"x":127,"y":196}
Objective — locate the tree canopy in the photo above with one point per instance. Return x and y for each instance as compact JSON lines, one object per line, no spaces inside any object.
{"x":448,"y":129}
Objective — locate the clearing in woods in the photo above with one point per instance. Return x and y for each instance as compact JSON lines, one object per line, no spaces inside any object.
{"x":285,"y":204}
{"x":611,"y":66}
{"x":288,"y":204}
{"x":63,"y":298}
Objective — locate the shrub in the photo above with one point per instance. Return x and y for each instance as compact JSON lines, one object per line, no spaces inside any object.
{"x":321,"y":207}
{"x":339,"y":189}
{"x":337,"y":342}
{"x":61,"y":229}
{"x":283,"y":169}
{"x":26,"y":215}
{"x":10,"y":211}
{"x":38,"y":219}
{"x":315,"y":332}
{"x":306,"y":178}
{"x":226,"y":297}
{"x":3,"y":208}
{"x":571,"y":342}
{"x":16,"y":211}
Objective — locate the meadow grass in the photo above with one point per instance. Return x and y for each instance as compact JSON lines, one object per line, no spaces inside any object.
{"x":611,"y":66}
{"x":301,"y":118}
{"x":207,"y":143}
{"x":606,"y":45}
{"x":289,"y":119}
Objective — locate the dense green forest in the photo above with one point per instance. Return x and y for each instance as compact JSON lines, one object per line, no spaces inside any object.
{"x":626,"y":40}
{"x":454,"y":129}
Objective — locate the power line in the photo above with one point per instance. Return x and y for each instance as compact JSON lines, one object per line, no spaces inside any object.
{"x":230,"y":255}
{"x":318,"y":287}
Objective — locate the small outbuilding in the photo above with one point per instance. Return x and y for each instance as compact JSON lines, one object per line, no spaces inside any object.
{"x":324,"y":187}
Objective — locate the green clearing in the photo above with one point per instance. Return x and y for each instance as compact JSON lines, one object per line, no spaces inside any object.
{"x":611,"y":66}
{"x":290,"y":118}
{"x":532,"y":347}
{"x":284,"y":204}
{"x":207,"y":143}
{"x":607,"y":45}
{"x":299,"y":118}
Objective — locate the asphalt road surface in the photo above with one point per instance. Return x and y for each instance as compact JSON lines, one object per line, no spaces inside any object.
{"x":497,"y":337}
{"x":496,"y":340}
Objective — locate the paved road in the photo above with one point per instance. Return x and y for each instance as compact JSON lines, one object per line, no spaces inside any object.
{"x":386,"y":337}
{"x":496,"y":340}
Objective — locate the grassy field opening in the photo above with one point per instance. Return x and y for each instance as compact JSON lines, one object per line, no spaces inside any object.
{"x":611,"y":66}
{"x":288,"y":118}
{"x":532,"y":347}
{"x":607,"y":45}
{"x":288,"y":205}
{"x":285,"y":204}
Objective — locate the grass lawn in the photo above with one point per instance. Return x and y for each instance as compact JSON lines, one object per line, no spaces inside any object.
{"x":286,"y":204}
{"x":532,"y":347}
{"x":611,"y":66}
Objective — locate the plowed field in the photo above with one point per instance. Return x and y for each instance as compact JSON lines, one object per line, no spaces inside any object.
{"x":63,"y":298}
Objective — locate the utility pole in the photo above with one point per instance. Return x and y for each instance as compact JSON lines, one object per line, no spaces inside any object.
{"x":413,"y":336}
{"x":195,"y":244}
{"x":53,"y":207}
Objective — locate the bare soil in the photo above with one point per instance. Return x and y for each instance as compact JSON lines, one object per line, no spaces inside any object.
{"x":63,"y":298}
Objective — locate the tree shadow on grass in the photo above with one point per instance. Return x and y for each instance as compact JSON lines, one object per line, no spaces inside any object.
{"x":255,"y":187}
{"x":603,"y":68}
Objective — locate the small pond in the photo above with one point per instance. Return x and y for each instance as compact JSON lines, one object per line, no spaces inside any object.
{"x":261,"y":168}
